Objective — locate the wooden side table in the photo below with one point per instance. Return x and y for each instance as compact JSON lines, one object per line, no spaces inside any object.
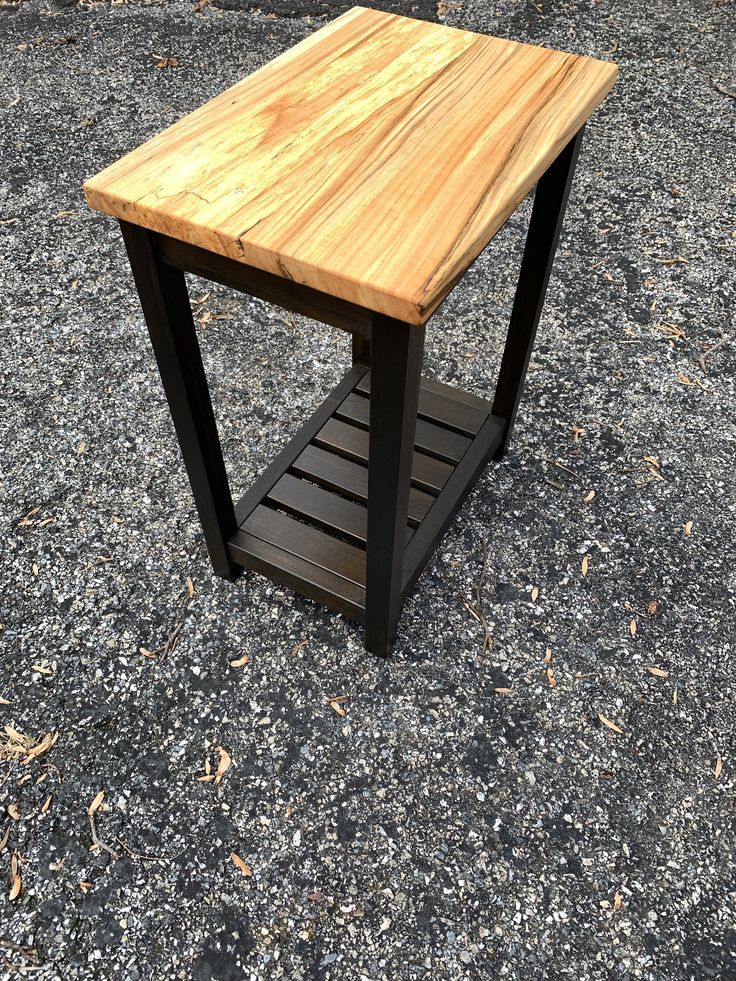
{"x":354,"y":179}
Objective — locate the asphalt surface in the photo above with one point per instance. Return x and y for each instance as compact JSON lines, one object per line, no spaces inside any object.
{"x":502,"y":813}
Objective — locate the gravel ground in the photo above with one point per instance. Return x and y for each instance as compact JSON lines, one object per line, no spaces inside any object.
{"x":548,"y":808}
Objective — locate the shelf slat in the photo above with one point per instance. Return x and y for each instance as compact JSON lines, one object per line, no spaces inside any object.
{"x":351,"y":479}
{"x":298,"y":574}
{"x":445,"y":444}
{"x":308,"y":543}
{"x":426,"y":473}
{"x":320,"y":507}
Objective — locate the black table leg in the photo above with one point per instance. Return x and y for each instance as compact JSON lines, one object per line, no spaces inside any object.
{"x":548,"y":211}
{"x":165,"y":301}
{"x":396,"y":357}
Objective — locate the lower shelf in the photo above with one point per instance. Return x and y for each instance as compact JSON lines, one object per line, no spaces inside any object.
{"x":303,"y":523}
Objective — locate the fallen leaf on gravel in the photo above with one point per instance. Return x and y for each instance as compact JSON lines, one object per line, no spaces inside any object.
{"x":675,"y":696}
{"x":42,"y":668}
{"x":167,"y":62}
{"x":146,"y":653}
{"x":208,"y":774}
{"x":4,"y":701}
{"x":190,"y":587}
{"x":719,"y":766}
{"x":34,"y":568}
{"x":652,"y":607}
{"x":632,"y":627}
{"x":298,"y":647}
{"x":535,"y":594}
{"x":17,"y":737}
{"x":584,"y":567}
{"x":17,"y":886}
{"x":240,"y":662}
{"x":239,"y":863}
{"x":589,"y":496}
{"x":617,"y":901}
{"x":43,"y":746}
{"x":46,"y":804}
{"x":687,"y":528}
{"x":551,"y":680}
{"x":4,"y":839}
{"x":96,"y":801}
{"x":548,"y":655}
{"x":658,"y":672}
{"x":337,"y":708}
{"x":503,"y":691}
{"x":13,"y":811}
{"x":224,"y":765}
{"x":85,"y":886}
{"x":610,"y":725}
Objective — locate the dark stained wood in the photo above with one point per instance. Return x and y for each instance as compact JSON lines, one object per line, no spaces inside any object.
{"x":456,"y":394}
{"x":321,"y":507}
{"x":294,"y":447}
{"x":445,"y":444}
{"x":351,"y":479}
{"x":266,"y":286}
{"x":165,"y":302}
{"x":361,"y":348}
{"x":396,"y":350}
{"x":427,"y":473}
{"x":428,"y":535}
{"x":548,"y":211}
{"x":308,"y":543}
{"x":298,"y":574}
{"x":444,"y":405}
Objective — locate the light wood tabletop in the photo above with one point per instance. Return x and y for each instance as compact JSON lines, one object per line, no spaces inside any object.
{"x":373,"y":161}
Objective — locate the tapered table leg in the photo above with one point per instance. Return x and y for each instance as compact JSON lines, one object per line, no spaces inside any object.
{"x":165,"y":301}
{"x":396,"y":363}
{"x":548,"y":211}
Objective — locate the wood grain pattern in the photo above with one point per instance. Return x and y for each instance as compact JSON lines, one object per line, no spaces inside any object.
{"x":373,"y":161}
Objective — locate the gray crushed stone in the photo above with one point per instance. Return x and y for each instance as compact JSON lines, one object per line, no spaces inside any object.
{"x":441,"y":829}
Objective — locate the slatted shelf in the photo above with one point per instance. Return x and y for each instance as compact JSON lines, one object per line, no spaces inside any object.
{"x":304,"y":522}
